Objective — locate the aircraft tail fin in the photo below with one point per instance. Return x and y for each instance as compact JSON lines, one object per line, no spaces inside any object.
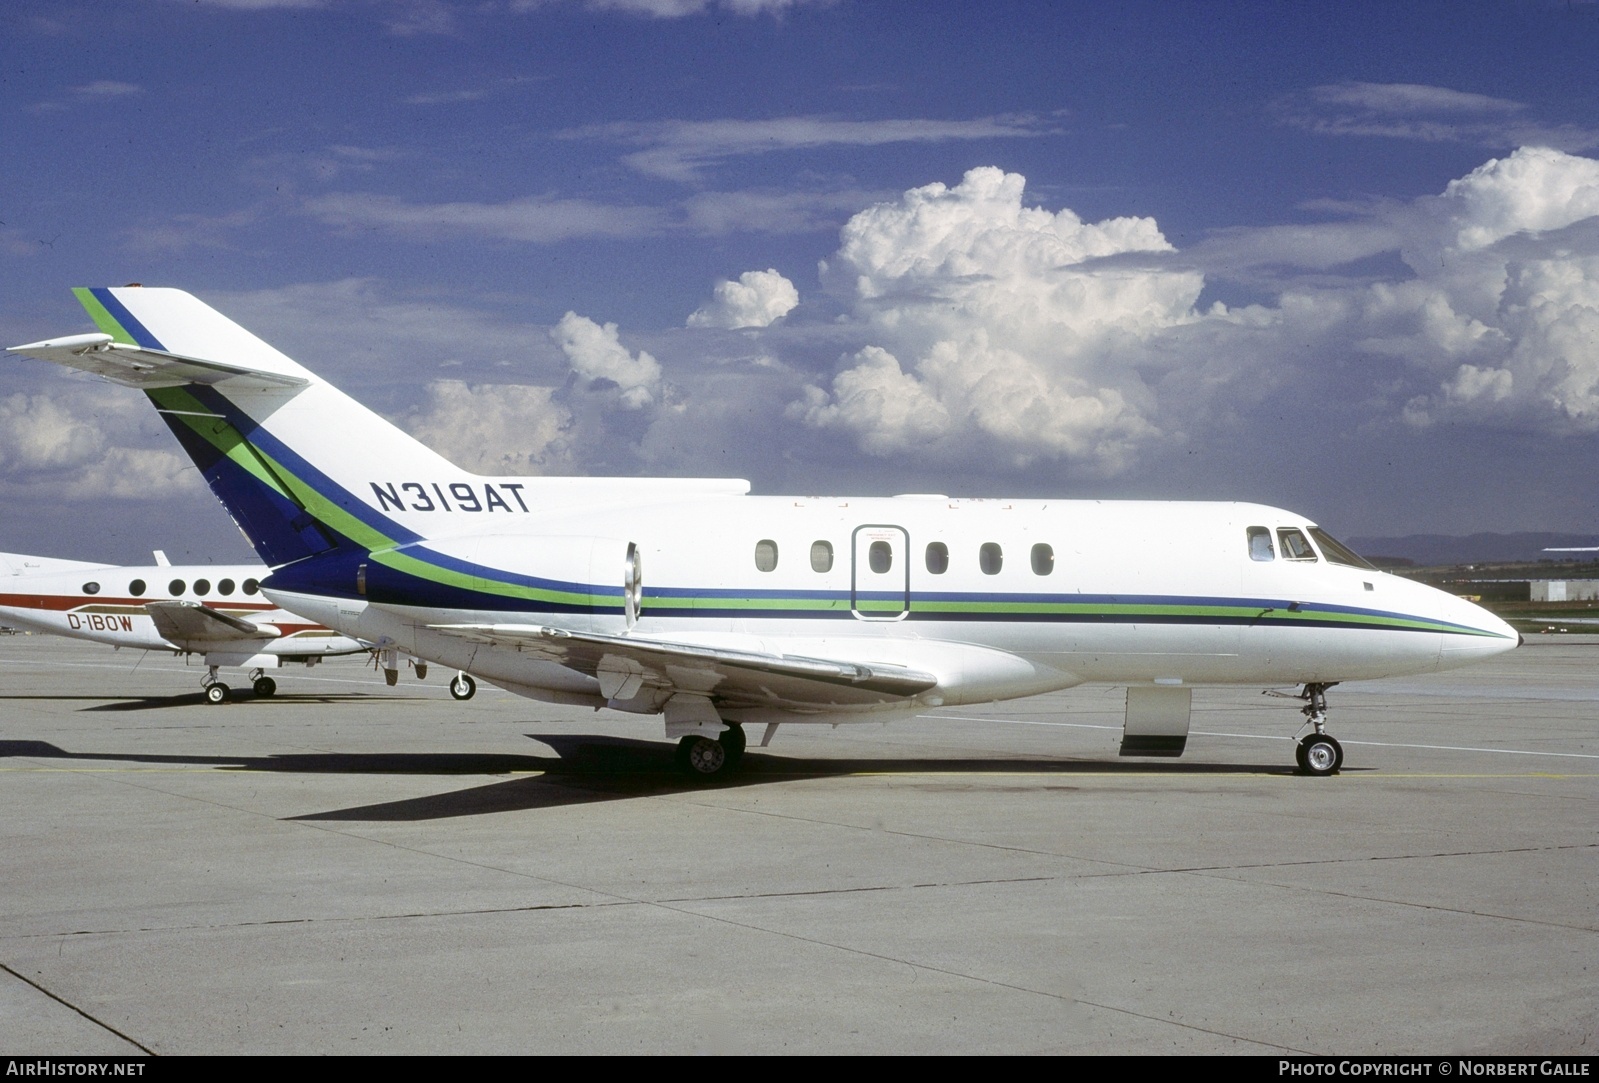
{"x":288,"y":454}
{"x":303,"y":468}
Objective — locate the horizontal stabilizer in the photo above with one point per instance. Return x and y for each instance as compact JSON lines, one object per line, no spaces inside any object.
{"x":137,"y":366}
{"x":729,"y":676}
{"x":190,"y":622}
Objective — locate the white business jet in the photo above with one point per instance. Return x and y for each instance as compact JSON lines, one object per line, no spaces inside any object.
{"x":692,"y":600}
{"x":213,"y":610}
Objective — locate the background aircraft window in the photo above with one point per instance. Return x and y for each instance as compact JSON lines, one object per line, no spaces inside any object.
{"x":880,"y":556}
{"x":1336,"y":551}
{"x":1295,"y":545}
{"x":136,"y":588}
{"x":821,"y":556}
{"x":91,"y":588}
{"x":202,"y":586}
{"x":175,"y":587}
{"x":766,"y":555}
{"x":990,"y":558}
{"x":225,"y":587}
{"x":1043,"y":559}
{"x":1260,"y":544}
{"x":937,"y":558}
{"x":251,"y":586}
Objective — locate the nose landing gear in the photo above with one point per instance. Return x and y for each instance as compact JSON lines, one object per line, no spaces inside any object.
{"x":1318,"y":754}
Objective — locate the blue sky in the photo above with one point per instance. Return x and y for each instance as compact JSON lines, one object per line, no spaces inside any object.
{"x":1342,"y":259}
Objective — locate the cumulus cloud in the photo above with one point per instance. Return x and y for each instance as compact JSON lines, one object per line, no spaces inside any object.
{"x":999,"y":328}
{"x":757,"y":299}
{"x":495,"y":428}
{"x":598,"y":358}
{"x":90,"y":441}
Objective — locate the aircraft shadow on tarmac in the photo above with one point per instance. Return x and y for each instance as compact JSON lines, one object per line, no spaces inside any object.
{"x":586,"y":769}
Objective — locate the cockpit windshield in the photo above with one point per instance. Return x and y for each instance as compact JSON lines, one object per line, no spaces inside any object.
{"x":1336,"y":551}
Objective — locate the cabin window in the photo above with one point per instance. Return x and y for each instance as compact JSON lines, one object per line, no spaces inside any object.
{"x":1043,"y":559}
{"x":1337,"y":552}
{"x":251,"y":586}
{"x":225,"y":587}
{"x":821,"y":556}
{"x":937,"y":558}
{"x":202,"y":586}
{"x":766,"y":555}
{"x":136,"y":588}
{"x":175,"y":587}
{"x":990,"y":558}
{"x":1295,"y":545}
{"x":91,"y":588}
{"x":1260,"y":544}
{"x":880,"y":557}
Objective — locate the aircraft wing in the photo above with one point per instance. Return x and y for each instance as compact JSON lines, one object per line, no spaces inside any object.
{"x":191,"y":622}
{"x":627,"y":665}
{"x":136,"y":366}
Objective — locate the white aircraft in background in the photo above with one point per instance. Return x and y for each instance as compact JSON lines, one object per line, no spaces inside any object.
{"x":212,"y":610}
{"x":690,"y":599}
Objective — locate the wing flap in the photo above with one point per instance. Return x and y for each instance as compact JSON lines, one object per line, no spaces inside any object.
{"x":137,"y":366}
{"x":625,"y":664}
{"x":190,"y":622}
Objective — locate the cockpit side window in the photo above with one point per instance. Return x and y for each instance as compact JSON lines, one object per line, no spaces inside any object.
{"x":1336,"y":551}
{"x":1294,"y":544}
{"x":1260,"y":544}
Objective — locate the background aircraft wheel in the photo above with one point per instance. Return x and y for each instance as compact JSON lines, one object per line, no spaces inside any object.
{"x":1320,"y":755}
{"x":216,"y":693}
{"x":463,"y":687}
{"x":701,"y":756}
{"x":421,"y":671}
{"x":264,"y":686}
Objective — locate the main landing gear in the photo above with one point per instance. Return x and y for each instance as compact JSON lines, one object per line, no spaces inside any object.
{"x":1318,"y":753}
{"x":704,"y":758}
{"x":261,"y":684}
{"x":217,"y":693}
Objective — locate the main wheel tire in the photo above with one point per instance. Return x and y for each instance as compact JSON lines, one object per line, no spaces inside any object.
{"x":463,"y":687}
{"x":1320,"y":755}
{"x":701,"y":756}
{"x":216,"y":693}
{"x":264,"y":687}
{"x":1299,"y":757}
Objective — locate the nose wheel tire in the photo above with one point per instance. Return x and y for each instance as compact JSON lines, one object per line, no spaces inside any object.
{"x":463,"y":687}
{"x":1319,"y":755}
{"x":264,"y":687}
{"x":216,"y":693}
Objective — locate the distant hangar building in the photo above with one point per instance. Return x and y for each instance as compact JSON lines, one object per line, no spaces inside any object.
{"x":1565,"y":590}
